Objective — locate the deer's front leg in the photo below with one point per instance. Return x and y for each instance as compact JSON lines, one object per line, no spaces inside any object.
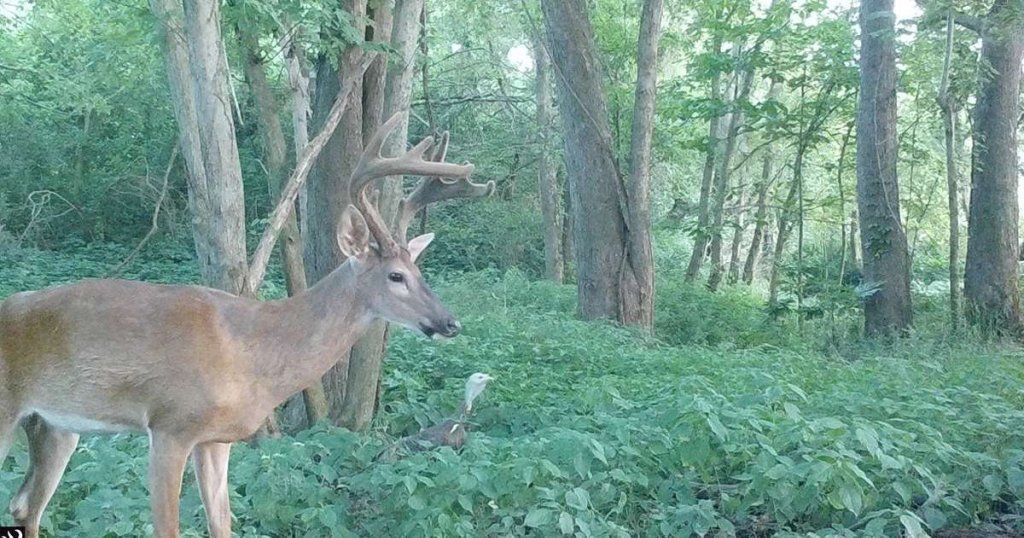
{"x":167,"y":456}
{"x":211,"y":463}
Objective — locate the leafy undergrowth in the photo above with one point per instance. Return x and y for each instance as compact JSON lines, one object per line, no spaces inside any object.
{"x":593,"y":430}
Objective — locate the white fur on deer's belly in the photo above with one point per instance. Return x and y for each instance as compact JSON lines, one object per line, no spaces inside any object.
{"x":79,"y":424}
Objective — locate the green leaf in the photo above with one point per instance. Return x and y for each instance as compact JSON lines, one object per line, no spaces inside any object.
{"x":537,"y":517}
{"x":852,"y":498}
{"x":869,"y":438}
{"x":416,"y":502}
{"x":912,"y":525}
{"x":1015,"y":479}
{"x":718,"y":428}
{"x":565,"y":523}
{"x":993,"y":485}
{"x":577,"y":498}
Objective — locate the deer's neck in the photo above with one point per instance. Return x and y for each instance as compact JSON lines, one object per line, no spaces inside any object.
{"x":302,"y":337}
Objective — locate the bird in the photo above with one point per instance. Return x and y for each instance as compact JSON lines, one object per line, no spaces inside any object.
{"x":451,"y":432}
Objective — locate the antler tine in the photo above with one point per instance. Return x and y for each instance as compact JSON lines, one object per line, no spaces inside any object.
{"x":435,"y":189}
{"x":373,"y":165}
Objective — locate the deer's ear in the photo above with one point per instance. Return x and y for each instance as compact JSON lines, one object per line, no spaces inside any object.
{"x":418,"y":245}
{"x":353,"y":235}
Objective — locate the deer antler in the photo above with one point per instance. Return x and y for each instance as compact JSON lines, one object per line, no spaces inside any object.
{"x":435,"y":188}
{"x":372,"y":165}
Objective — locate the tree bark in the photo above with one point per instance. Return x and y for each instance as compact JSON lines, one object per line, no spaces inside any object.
{"x":703,"y":234}
{"x":328,"y":189}
{"x":314,"y":401}
{"x":607,"y":277}
{"x":721,"y":185}
{"x":949,"y":111}
{"x":275,"y":154}
{"x":638,"y":309}
{"x":549,"y":190}
{"x":786,"y":216}
{"x":737,"y":236}
{"x":886,"y":262}
{"x":760,"y":217}
{"x":362,"y":382}
{"x":991,"y":289}
{"x":198,"y":79}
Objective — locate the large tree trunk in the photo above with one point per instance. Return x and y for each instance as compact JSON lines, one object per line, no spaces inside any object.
{"x":548,"y":188}
{"x":328,"y":186}
{"x":949,"y":111}
{"x":991,"y":276}
{"x":886,"y":262}
{"x":198,"y":80}
{"x":638,"y":308}
{"x":362,"y":383}
{"x":703,"y":233}
{"x":608,"y":277}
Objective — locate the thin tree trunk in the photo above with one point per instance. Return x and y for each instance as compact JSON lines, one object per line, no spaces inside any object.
{"x":949,"y":111}
{"x":886,"y":263}
{"x":638,"y":308}
{"x":275,"y":154}
{"x":703,"y":234}
{"x":760,"y":217}
{"x":737,"y":236}
{"x":847,"y":235}
{"x":550,"y":193}
{"x":742,"y":91}
{"x":786,"y":216}
{"x":314,"y":401}
{"x":991,"y":288}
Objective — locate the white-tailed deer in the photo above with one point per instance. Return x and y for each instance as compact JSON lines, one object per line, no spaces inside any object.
{"x":198,"y":368}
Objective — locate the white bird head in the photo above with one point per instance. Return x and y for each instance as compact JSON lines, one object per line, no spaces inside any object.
{"x":474,"y":386}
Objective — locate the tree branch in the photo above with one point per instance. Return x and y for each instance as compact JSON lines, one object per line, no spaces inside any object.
{"x":154,"y":225}
{"x":285,"y":206}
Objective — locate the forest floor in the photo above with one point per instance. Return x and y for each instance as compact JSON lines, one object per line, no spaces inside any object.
{"x":727,"y":423}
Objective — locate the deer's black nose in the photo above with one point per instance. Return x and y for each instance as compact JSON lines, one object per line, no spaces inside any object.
{"x":452,"y":327}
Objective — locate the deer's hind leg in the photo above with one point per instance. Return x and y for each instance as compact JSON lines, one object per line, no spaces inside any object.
{"x":49,"y":449}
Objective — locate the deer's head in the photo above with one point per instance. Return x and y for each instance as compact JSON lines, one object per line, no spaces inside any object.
{"x":385,"y":263}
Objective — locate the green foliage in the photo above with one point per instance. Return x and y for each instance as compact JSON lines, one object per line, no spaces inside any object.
{"x":486,"y":234}
{"x":595,"y":431}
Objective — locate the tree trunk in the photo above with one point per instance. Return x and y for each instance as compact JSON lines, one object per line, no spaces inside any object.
{"x":362,"y":382}
{"x":845,"y":231}
{"x":327,"y":187}
{"x":275,"y":155}
{"x":608,"y":278}
{"x":640,"y":310}
{"x":313,"y":402}
{"x":949,"y":111}
{"x":198,"y":79}
{"x":550,"y":193}
{"x":886,"y":263}
{"x":760,"y":217}
{"x":702,"y":235}
{"x":786,"y":215}
{"x":737,"y":236}
{"x":721,"y":185}
{"x":991,"y":276}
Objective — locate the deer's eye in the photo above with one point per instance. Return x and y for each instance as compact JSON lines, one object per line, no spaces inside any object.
{"x":396,"y":277}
